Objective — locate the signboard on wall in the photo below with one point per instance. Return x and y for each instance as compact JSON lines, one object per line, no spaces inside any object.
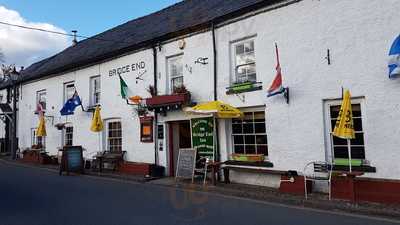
{"x":203,"y":136}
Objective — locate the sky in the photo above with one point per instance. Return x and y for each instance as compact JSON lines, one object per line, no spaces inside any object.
{"x":24,"y":47}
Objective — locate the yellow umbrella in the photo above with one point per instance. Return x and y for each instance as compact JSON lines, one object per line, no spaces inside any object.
{"x":97,"y":123}
{"x":344,"y":127}
{"x":41,"y":129}
{"x":216,"y":108}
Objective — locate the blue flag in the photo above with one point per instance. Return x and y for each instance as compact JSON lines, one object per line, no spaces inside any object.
{"x":71,"y":104}
{"x":394,"y":59}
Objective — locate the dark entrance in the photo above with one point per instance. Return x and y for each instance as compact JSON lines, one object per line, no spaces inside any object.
{"x":179,"y":137}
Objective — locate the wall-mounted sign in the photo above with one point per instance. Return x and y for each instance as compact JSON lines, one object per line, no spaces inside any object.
{"x":394,"y":59}
{"x":203,"y":136}
{"x":146,"y":129}
{"x":127,"y":68}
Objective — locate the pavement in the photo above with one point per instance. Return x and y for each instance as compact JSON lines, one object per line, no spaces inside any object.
{"x":33,"y":195}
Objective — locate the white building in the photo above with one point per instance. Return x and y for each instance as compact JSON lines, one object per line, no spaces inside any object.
{"x":175,"y":45}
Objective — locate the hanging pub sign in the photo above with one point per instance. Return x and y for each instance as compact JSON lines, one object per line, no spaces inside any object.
{"x":394,"y":59}
{"x":146,"y":129}
{"x":203,"y":136}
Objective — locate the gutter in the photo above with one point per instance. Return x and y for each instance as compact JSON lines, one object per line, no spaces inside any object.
{"x":218,"y":152}
{"x":155,"y":129}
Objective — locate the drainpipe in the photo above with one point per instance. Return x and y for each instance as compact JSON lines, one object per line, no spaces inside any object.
{"x":218,"y":154}
{"x":155,"y":114}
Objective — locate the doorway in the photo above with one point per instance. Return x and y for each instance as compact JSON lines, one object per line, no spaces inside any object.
{"x":180,"y":136}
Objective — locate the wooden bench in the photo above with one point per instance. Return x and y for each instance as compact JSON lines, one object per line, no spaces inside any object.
{"x":113,"y":158}
{"x":250,"y":167}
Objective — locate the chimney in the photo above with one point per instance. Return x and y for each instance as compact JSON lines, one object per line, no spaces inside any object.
{"x":74,"y":41}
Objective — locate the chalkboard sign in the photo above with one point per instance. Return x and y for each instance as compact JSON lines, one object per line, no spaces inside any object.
{"x":72,"y":160}
{"x":186,"y":163}
{"x":203,"y":136}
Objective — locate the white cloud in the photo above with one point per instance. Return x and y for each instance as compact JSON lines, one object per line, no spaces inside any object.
{"x":23,"y":47}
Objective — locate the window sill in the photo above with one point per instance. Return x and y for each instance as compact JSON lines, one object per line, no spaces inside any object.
{"x":244,"y":87}
{"x":253,"y":164}
{"x":366,"y":169}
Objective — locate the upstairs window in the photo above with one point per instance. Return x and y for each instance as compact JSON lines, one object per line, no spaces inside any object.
{"x":175,"y":72}
{"x":244,"y":61}
{"x":69,"y":90}
{"x":41,"y":98}
{"x":95,"y":89}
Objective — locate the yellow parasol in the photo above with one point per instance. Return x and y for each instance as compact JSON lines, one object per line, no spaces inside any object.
{"x":97,"y":123}
{"x":41,"y":129}
{"x":216,"y":108}
{"x":344,"y":127}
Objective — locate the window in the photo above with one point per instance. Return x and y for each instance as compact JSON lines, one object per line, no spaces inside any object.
{"x":69,"y":90}
{"x":249,"y":134}
{"x":114,"y":136}
{"x":41,"y":98}
{"x":175,"y":72}
{"x":95,"y":89}
{"x":339,"y":146}
{"x":244,"y":61}
{"x":68,"y":135}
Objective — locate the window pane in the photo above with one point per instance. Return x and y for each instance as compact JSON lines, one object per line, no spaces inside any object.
{"x":249,"y":46}
{"x":239,"y":149}
{"x":238,"y":139}
{"x":250,"y":139}
{"x":250,"y":149}
{"x":259,"y":128}
{"x":262,"y":149}
{"x":335,"y":111}
{"x":357,"y":124}
{"x":339,"y":141}
{"x":236,"y":128}
{"x":356,"y":110}
{"x":248,"y":128}
{"x":261,"y":139}
{"x":359,"y":140}
{"x":341,"y":152}
{"x":357,"y":153}
{"x":240,"y":49}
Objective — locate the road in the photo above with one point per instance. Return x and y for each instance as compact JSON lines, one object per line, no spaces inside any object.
{"x":30,"y":196}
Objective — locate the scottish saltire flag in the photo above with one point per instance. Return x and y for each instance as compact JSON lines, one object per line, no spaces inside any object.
{"x":71,"y":104}
{"x":394,"y":59}
{"x":276,"y":86}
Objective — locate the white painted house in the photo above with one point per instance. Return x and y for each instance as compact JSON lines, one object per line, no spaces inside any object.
{"x":175,"y":46}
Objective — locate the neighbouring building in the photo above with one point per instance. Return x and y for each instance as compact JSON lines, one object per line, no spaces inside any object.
{"x":210,"y":46}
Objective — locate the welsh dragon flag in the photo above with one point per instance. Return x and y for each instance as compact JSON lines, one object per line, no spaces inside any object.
{"x":124,"y":88}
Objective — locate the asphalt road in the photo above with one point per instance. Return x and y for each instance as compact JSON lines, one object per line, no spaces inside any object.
{"x":30,"y":196}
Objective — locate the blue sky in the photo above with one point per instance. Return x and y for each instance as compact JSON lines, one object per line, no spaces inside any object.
{"x":23,"y":47}
{"x":89,"y":17}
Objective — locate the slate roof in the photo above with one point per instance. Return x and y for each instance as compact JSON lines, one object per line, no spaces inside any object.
{"x":182,"y":18}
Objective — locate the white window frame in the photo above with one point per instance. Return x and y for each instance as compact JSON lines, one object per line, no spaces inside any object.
{"x":93,"y":90}
{"x":170,"y":85}
{"x":38,"y":98}
{"x":67,"y":85}
{"x":65,"y":133}
{"x":328,"y":129}
{"x":254,"y":133}
{"x":107,"y":124}
{"x":234,"y":76}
